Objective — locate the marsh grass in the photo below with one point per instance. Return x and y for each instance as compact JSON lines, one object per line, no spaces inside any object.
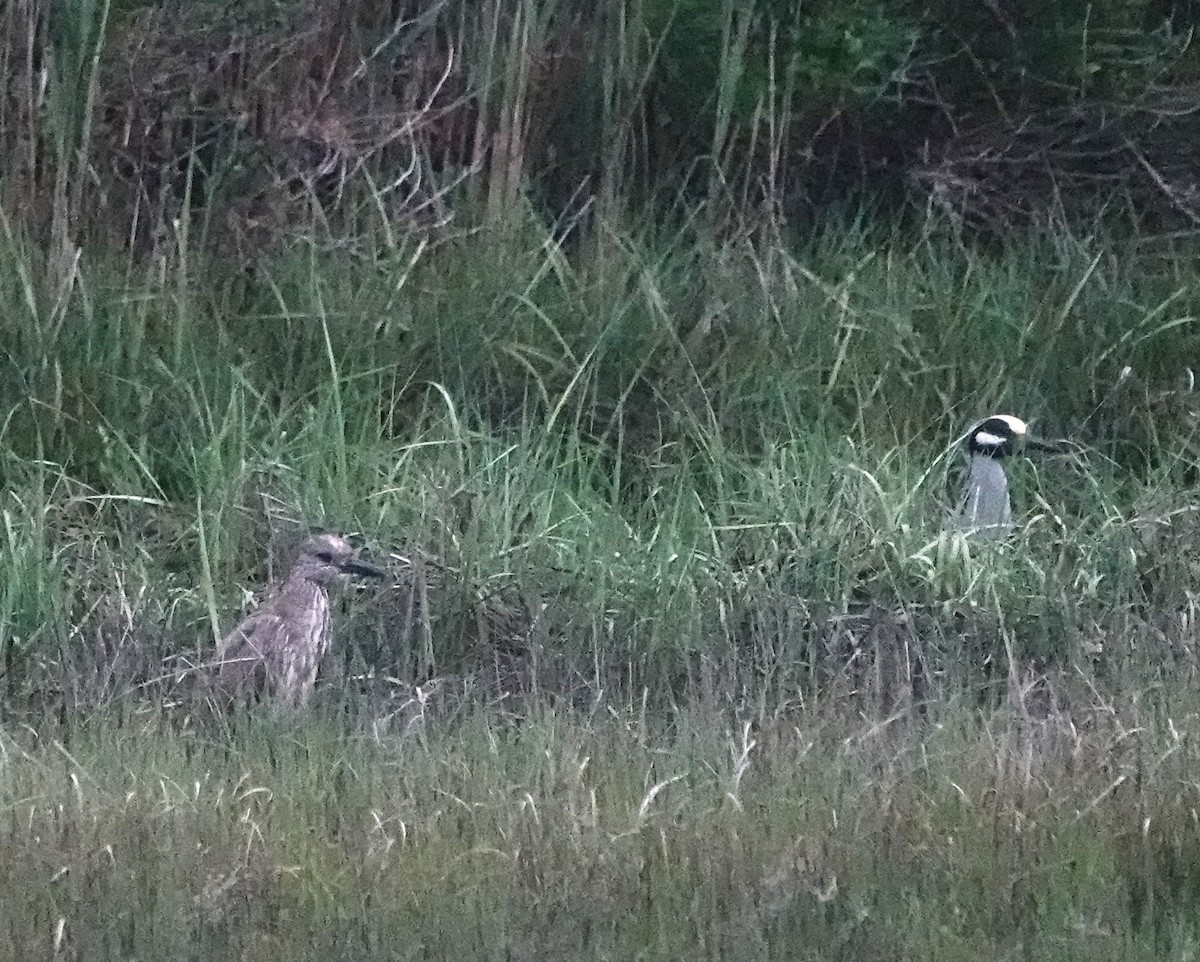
{"x":679,"y":656}
{"x":571,"y":835}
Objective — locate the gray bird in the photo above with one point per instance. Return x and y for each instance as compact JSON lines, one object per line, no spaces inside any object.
{"x":985,"y":511}
{"x":276,"y":649}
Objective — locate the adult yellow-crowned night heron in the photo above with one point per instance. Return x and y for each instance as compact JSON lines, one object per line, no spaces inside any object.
{"x":277,"y":648}
{"x":985,"y":511}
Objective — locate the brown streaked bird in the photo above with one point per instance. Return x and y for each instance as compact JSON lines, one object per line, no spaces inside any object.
{"x":276,"y":650}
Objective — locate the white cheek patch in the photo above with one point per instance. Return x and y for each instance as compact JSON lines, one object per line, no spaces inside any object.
{"x":985,"y":439}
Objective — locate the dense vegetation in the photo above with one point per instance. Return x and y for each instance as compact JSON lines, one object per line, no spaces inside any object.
{"x":637,"y":340}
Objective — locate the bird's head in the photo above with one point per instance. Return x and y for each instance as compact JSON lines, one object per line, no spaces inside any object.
{"x":1002,"y":434}
{"x":325,"y":558}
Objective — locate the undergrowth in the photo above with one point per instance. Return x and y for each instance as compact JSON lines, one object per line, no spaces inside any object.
{"x":680,"y":652}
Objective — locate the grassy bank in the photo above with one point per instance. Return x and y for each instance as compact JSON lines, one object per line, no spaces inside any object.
{"x":802,"y":834}
{"x":549,"y":305}
{"x":675,"y":639}
{"x":651,"y":453}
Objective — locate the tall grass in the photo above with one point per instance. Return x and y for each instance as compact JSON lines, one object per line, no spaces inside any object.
{"x":674,"y":432}
{"x":679,"y":655}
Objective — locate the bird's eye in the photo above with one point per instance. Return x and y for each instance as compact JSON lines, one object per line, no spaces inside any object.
{"x":325,"y":556}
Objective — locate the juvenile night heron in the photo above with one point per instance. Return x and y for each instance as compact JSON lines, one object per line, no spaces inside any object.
{"x":277,"y":648}
{"x":985,"y":511}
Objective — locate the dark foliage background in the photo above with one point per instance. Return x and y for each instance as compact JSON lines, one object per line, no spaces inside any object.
{"x":116,"y":116}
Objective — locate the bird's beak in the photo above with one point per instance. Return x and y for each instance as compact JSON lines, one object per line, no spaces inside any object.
{"x":1037,"y":444}
{"x":362,"y":568}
